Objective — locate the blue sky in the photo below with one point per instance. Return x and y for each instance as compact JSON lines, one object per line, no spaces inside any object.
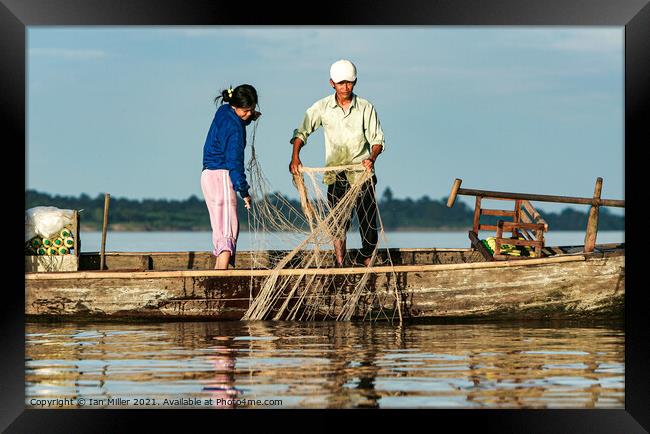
{"x":125,"y":110}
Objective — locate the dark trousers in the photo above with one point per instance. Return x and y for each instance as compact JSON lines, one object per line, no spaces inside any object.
{"x":366,"y":209}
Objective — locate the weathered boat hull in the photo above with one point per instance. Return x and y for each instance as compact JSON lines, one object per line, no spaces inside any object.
{"x":440,"y":285}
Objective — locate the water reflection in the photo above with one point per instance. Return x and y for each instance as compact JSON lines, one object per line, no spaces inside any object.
{"x":222,"y":387}
{"x":325,"y":365}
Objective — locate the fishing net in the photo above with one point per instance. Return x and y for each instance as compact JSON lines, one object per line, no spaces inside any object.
{"x":305,"y":282}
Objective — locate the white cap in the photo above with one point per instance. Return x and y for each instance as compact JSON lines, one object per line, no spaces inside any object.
{"x":343,"y":70}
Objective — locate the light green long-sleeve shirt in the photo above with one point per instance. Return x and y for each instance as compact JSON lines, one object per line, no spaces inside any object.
{"x":349,"y":136}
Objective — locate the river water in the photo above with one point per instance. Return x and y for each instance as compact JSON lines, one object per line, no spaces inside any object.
{"x":201,"y":241}
{"x":322,"y":364}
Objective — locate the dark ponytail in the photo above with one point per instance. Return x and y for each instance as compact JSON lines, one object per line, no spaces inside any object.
{"x":243,"y":95}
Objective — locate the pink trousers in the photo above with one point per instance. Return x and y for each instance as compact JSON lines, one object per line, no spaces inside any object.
{"x":221,"y":199}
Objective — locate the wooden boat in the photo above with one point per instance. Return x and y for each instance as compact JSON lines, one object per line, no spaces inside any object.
{"x":433,"y":284}
{"x":565,"y":282}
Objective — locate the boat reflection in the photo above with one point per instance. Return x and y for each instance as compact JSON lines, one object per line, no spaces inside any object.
{"x":328,"y":364}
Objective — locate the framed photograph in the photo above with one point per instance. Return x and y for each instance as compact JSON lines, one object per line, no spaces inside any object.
{"x":508,"y":96}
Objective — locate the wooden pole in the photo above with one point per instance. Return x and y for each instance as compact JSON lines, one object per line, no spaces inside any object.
{"x":485,"y":194}
{"x":592,"y":223}
{"x":454,"y":192}
{"x":107,"y":200}
{"x":574,"y":257}
{"x":77,"y":243}
{"x":299,"y":182}
{"x":477,"y":215}
{"x":515,"y":218}
{"x":497,"y":241}
{"x":75,"y":232}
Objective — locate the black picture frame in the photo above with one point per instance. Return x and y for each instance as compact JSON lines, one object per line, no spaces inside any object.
{"x":634,"y":15}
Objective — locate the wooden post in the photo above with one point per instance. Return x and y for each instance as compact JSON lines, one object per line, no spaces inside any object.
{"x":592,"y":223}
{"x":454,"y":192}
{"x":299,"y":182}
{"x":515,"y":218}
{"x":107,"y":201}
{"x":538,"y":248}
{"x":75,"y":232}
{"x":497,"y":241}
{"x":477,"y":214}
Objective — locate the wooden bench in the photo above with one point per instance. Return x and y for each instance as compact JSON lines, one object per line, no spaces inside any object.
{"x":526,"y":220}
{"x":527,"y":228}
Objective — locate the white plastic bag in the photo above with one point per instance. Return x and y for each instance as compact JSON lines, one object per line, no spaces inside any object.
{"x":46,"y":221}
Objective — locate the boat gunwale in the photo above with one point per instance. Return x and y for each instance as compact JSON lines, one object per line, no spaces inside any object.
{"x":206,"y":252}
{"x":153,"y":274}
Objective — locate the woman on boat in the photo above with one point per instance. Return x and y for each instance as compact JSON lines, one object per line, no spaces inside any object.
{"x":223,"y":168}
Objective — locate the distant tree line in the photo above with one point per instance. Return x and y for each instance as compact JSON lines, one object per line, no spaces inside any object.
{"x":192,"y":215}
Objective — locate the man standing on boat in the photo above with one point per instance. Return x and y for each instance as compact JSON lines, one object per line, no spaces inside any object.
{"x":353,"y":135}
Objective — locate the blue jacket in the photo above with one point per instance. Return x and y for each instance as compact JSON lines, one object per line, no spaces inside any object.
{"x":224,"y":147}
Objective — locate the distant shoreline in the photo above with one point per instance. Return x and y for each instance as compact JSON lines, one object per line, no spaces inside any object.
{"x":397,"y":215}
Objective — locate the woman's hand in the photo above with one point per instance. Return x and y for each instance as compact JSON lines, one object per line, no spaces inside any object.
{"x":247,"y":202}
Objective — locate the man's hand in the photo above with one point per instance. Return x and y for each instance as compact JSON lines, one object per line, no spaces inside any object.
{"x":247,"y":202}
{"x":295,"y":165}
{"x":369,"y":164}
